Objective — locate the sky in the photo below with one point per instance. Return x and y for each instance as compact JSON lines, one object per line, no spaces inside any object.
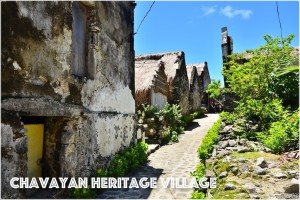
{"x":194,"y":27}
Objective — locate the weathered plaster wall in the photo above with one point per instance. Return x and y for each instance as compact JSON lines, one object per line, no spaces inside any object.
{"x":37,"y":53}
{"x":113,"y":88}
{"x":13,"y":154}
{"x":99,"y":137}
{"x":88,"y":119}
{"x":36,"y":49}
{"x":80,"y":145}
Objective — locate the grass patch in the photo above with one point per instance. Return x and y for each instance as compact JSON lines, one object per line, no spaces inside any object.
{"x":239,"y":193}
{"x":294,"y":165}
{"x":221,"y":167}
{"x":255,"y":155}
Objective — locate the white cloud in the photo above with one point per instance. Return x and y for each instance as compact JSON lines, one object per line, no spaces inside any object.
{"x":208,"y":10}
{"x":228,"y":11}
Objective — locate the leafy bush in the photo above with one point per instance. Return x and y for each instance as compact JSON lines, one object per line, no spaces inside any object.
{"x":261,"y":112}
{"x":140,"y":152}
{"x":83,"y":193}
{"x":214,"y":90}
{"x":186,"y":120}
{"x":118,"y":166}
{"x":127,"y":160}
{"x":283,"y":135}
{"x":198,"y":195}
{"x":230,"y":118}
{"x":174,"y":137}
{"x":204,"y":150}
{"x":172,"y":114}
{"x":200,"y":171}
{"x":198,"y":174}
{"x":147,"y":111}
{"x":209,"y":140}
{"x":101,"y":173}
{"x":256,"y":78}
{"x":173,"y":118}
{"x":171,"y":134}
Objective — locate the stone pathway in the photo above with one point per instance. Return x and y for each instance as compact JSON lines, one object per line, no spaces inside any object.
{"x":174,"y":160}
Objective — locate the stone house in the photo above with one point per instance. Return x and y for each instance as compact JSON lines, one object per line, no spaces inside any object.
{"x":195,"y":88}
{"x":204,"y":80}
{"x":67,"y":71}
{"x":175,"y":69}
{"x":151,"y":85}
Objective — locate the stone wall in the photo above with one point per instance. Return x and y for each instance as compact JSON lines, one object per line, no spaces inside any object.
{"x":180,"y":86}
{"x":205,"y":77}
{"x":88,"y":117}
{"x":195,"y":87}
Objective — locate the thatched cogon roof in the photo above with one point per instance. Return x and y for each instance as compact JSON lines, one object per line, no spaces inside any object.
{"x":171,"y":61}
{"x":145,"y":72}
{"x":200,"y":68}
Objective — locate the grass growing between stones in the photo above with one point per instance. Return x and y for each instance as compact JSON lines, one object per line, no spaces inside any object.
{"x":255,"y":155}
{"x":290,"y":166}
{"x":221,"y":193}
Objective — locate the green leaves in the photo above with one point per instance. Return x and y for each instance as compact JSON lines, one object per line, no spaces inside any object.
{"x":172,"y":114}
{"x":214,"y":89}
{"x":209,"y":140}
{"x":147,"y":111}
{"x":261,"y":75}
{"x":283,"y":135}
{"x":128,"y":159}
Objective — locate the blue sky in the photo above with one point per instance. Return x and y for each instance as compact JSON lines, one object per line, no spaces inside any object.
{"x":195,"y":27}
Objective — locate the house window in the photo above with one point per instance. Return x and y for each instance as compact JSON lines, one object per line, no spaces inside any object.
{"x":79,"y":39}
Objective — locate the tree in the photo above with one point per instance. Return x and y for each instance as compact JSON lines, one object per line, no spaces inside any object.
{"x":258,"y":78}
{"x":214,"y":89}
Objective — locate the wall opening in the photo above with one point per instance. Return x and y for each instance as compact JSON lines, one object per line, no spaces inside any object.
{"x":35,"y":135}
{"x":79,"y":39}
{"x":47,"y":145}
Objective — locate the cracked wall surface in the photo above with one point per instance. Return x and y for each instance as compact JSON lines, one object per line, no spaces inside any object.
{"x":87,"y":118}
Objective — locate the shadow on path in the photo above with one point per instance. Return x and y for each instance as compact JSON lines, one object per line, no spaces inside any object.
{"x":133,"y":193}
{"x":192,"y":126}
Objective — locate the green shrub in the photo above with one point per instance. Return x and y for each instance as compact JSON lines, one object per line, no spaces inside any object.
{"x":171,"y":134}
{"x":172,"y":115}
{"x":132,"y":158}
{"x":140,"y":151}
{"x":174,"y":137}
{"x":101,"y":173}
{"x":186,"y":120}
{"x":127,"y":160}
{"x":198,"y":195}
{"x":230,"y":118}
{"x":83,"y":193}
{"x":200,"y":171}
{"x":209,"y":140}
{"x":283,"y":135}
{"x":147,"y":111}
{"x":118,"y":166}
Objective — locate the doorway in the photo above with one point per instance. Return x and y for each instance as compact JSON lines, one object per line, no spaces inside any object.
{"x":35,"y":136}
{"x":35,"y":146}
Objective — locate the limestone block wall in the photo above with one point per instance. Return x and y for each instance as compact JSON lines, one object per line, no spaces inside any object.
{"x":88,"y":117}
